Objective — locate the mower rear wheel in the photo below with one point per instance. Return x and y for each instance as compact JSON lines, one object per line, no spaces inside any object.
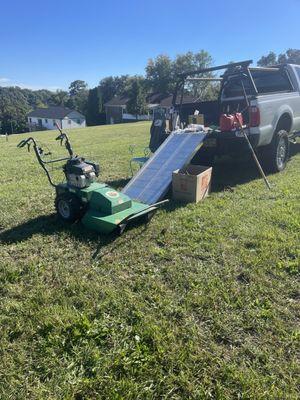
{"x":68,"y":207}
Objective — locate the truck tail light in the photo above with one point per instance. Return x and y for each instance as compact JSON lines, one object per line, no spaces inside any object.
{"x":254,"y":115}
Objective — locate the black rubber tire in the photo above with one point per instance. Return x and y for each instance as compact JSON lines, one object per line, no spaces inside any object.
{"x":68,"y":207}
{"x":275,"y":156}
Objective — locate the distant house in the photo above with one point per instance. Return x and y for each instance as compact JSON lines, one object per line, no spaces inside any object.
{"x":116,"y":111}
{"x":116,"y":108}
{"x":167,"y":101}
{"x":46,"y":118}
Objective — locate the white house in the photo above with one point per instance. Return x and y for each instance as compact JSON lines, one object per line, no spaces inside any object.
{"x":47,"y":118}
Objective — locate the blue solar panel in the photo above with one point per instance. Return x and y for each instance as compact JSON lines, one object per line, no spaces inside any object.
{"x":153,"y":180}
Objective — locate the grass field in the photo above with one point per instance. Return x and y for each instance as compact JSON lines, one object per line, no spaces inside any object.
{"x":203,"y":303}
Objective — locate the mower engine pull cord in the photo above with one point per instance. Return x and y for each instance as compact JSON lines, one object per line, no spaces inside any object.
{"x":249,"y":143}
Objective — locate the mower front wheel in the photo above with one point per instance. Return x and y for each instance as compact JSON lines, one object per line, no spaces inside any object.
{"x":68,"y":207}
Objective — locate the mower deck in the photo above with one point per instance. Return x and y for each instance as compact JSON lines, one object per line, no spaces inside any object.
{"x":107,"y":208}
{"x":107,"y":223}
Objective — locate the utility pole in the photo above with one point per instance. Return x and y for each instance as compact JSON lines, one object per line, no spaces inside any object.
{"x":11,"y":127}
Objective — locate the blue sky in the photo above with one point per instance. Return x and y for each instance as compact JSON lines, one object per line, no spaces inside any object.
{"x":51,"y":43}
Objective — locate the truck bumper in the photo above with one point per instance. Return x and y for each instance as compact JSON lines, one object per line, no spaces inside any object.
{"x":222,"y":143}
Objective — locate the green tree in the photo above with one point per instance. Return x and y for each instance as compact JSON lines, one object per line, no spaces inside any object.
{"x":108,"y":89}
{"x":94,"y":114}
{"x":269,"y":59}
{"x":37,"y":98}
{"x":159,"y":74}
{"x":59,"y":98}
{"x":113,"y":86}
{"x":78,"y":102}
{"x":291,"y":56}
{"x":162,"y":73}
{"x":137,"y":104}
{"x":77,"y":87}
{"x":204,"y":90}
{"x":78,"y":96}
{"x":13,"y":109}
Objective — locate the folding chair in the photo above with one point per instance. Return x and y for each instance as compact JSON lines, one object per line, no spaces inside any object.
{"x":140,"y":161}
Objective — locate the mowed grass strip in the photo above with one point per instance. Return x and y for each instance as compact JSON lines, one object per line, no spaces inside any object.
{"x":202,"y":303}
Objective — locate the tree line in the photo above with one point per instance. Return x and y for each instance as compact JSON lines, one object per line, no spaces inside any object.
{"x":160,"y":77}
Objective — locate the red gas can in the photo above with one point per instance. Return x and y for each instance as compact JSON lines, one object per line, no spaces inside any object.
{"x":230,"y":122}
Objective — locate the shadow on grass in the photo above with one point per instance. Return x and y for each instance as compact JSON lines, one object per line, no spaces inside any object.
{"x":229,"y":172}
{"x":51,"y":225}
{"x":47,"y":225}
{"x":118,"y":184}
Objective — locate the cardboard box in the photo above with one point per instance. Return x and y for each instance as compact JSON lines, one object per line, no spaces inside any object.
{"x":196,"y":119}
{"x":192,"y":183}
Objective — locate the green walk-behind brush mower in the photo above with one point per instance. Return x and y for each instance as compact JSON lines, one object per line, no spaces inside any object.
{"x":81,"y":197}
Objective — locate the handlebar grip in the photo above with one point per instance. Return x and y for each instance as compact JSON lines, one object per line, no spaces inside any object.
{"x":26,"y":141}
{"x":21,"y":144}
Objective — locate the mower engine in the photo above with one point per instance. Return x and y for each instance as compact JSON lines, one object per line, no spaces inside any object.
{"x":80,"y":173}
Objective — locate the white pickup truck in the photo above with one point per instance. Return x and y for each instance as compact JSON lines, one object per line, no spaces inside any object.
{"x":273,"y":119}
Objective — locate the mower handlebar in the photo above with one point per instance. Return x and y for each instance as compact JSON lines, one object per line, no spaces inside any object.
{"x":60,"y":137}
{"x":63,"y":136}
{"x":27,"y":142}
{"x":21,"y":144}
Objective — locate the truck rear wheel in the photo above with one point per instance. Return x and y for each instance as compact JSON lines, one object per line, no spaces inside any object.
{"x":277,"y":152}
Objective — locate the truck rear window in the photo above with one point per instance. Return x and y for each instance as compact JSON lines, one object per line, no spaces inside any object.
{"x":265,"y":82}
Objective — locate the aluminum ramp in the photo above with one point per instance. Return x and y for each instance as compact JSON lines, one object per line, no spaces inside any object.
{"x":152,"y":181}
